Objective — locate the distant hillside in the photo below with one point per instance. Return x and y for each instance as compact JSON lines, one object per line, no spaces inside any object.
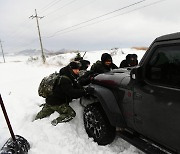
{"x":33,"y":52}
{"x":140,"y":48}
{"x":28,"y":52}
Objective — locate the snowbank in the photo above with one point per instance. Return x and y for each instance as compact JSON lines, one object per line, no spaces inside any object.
{"x":20,"y":78}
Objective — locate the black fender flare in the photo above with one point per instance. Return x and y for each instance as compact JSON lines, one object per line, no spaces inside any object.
{"x":109,"y":104}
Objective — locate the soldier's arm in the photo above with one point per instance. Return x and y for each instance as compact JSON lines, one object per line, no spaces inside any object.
{"x":69,"y":90}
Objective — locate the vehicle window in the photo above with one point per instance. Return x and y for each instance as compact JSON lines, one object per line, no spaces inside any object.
{"x":164,"y":67}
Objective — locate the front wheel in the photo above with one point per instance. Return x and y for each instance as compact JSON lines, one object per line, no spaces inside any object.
{"x":97,"y":124}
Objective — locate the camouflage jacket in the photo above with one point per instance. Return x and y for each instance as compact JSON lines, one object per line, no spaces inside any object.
{"x":99,"y":67}
{"x":67,"y":90}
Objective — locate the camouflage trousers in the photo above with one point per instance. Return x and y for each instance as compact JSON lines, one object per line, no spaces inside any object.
{"x":66,"y":113}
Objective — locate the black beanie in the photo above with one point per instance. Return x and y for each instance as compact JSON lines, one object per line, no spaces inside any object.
{"x":84,"y":64}
{"x":106,"y":57}
{"x":75,"y":65}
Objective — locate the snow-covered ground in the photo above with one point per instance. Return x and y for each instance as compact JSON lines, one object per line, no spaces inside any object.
{"x":19,"y":81}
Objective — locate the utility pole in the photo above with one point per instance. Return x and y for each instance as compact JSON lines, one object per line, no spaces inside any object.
{"x":2,"y":51}
{"x":42,"y":52}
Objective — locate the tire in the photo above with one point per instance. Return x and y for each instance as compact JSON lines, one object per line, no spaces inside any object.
{"x":97,"y":124}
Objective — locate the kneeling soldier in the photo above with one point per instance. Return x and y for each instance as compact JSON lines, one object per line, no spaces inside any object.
{"x":63,"y":94}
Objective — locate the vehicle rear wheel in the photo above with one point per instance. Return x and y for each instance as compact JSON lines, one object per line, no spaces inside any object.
{"x":97,"y":124}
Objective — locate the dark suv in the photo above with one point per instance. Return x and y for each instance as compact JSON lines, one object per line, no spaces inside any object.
{"x":142,"y":102}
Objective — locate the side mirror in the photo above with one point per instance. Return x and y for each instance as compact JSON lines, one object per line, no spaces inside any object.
{"x":137,"y":74}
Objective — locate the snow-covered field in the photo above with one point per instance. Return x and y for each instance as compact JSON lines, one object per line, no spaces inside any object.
{"x":19,"y":81}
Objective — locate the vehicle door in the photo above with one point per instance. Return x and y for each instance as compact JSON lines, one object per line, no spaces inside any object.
{"x":157,"y":97}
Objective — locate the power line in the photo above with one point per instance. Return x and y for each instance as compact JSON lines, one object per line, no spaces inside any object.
{"x":98,"y":17}
{"x":82,"y":6}
{"x":77,"y":9}
{"x":20,"y":31}
{"x":112,"y":17}
{"x":50,"y":5}
{"x":61,"y":7}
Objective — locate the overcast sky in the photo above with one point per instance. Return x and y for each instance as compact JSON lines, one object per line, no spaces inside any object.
{"x":86,"y":24}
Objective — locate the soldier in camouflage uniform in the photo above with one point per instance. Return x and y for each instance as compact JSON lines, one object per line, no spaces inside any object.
{"x":63,"y":94}
{"x":130,"y":61}
{"x":105,"y":65}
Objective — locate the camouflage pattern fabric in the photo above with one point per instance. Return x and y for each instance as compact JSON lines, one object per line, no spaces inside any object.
{"x":65,"y":111}
{"x":47,"y":84}
{"x":97,"y":63}
{"x":82,"y":72}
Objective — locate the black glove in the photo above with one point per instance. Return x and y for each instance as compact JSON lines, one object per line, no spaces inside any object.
{"x":89,"y":90}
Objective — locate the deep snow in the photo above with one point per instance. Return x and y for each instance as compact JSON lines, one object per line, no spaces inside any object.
{"x":19,"y":81}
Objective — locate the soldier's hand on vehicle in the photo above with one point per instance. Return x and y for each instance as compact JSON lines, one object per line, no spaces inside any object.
{"x":89,"y":90}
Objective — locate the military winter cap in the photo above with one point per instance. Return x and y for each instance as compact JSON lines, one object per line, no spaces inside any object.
{"x":75,"y":65}
{"x":106,"y":57}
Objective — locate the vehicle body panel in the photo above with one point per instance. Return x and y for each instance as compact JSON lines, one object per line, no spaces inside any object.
{"x":157,"y":107}
{"x":130,"y":100}
{"x":110,"y":105}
